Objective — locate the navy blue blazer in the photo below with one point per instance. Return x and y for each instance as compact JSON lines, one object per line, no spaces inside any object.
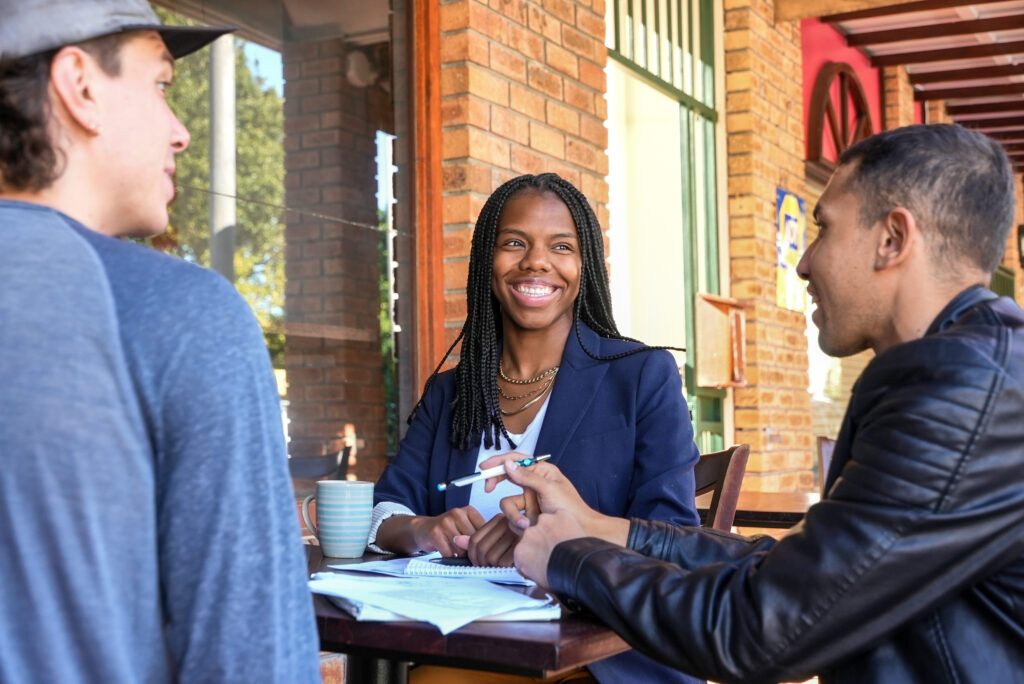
{"x":619,"y":430}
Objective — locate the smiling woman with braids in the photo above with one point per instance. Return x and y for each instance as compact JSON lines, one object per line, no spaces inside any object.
{"x":543,"y":370}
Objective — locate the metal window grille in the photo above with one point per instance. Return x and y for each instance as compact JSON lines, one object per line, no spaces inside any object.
{"x":672,"y":43}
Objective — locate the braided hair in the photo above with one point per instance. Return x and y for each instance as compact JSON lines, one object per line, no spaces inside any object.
{"x":475,"y":407}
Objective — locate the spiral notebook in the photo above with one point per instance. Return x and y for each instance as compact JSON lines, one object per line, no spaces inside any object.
{"x":433,"y":565}
{"x":436,"y":566}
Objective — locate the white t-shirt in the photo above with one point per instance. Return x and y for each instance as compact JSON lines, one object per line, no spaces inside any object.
{"x":526,"y":443}
{"x":488,"y":504}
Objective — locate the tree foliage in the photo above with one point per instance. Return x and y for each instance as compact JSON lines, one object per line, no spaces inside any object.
{"x":259,"y":234}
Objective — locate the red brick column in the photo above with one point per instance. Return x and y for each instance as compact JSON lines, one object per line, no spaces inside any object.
{"x":897,"y":98}
{"x":332,"y":355}
{"x":765,"y":151}
{"x":522,"y":87}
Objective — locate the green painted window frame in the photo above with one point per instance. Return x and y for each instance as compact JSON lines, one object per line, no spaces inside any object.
{"x":687,"y":75}
{"x":1004,"y":282}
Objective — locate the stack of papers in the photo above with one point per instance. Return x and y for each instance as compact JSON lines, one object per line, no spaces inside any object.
{"x":430,"y":564}
{"x":447,"y":603}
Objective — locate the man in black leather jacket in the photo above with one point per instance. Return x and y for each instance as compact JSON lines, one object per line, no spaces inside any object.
{"x":911,"y":569}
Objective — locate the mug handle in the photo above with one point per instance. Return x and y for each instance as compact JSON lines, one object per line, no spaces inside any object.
{"x":305,"y":515}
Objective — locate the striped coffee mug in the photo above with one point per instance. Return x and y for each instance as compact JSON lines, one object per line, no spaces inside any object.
{"x":343,"y":510}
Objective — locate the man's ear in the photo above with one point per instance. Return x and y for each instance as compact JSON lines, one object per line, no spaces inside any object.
{"x":73,"y":81}
{"x":898,"y":235}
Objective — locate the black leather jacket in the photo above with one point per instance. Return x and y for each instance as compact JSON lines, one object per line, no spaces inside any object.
{"x":911,"y":569}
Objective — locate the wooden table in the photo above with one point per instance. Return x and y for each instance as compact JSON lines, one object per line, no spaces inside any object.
{"x":767,"y":509}
{"x":382,"y":651}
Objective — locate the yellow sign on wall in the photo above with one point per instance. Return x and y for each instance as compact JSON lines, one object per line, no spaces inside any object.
{"x":791,"y":240}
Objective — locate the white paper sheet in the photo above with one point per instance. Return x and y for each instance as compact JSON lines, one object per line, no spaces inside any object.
{"x":444,"y":602}
{"x":364,"y":612}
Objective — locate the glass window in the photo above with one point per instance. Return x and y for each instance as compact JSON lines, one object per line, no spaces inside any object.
{"x":288,"y":190}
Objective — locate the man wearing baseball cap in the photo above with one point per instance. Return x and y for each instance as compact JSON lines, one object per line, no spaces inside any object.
{"x":147,"y":522}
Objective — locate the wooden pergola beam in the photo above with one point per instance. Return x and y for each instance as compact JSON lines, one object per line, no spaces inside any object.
{"x":887,"y":8}
{"x":945,"y":54}
{"x":794,"y":10}
{"x":917,"y":78}
{"x":1004,"y":122}
{"x":986,"y":108}
{"x":956,"y":28}
{"x":969,"y":92}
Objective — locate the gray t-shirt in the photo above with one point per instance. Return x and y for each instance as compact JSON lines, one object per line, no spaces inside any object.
{"x":147,"y":527}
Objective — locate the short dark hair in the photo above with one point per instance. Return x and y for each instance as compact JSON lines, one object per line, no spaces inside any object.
{"x":28,"y":158}
{"x":955,"y":181}
{"x":475,"y":408}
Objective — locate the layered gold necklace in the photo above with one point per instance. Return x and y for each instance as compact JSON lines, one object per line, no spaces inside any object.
{"x":547,"y":377}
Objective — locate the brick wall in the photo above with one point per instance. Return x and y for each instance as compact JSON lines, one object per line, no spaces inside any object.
{"x":1011,"y":259}
{"x":897,"y":98}
{"x":331,"y":264}
{"x":935,"y":112}
{"x":522,"y":88}
{"x":766,"y":150}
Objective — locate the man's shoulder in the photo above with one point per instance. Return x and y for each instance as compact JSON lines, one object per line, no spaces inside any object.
{"x":955,"y":370}
{"x":147,"y":280}
{"x":981,"y":337}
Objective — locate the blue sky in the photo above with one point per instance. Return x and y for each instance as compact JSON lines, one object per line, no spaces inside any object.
{"x":266,"y":63}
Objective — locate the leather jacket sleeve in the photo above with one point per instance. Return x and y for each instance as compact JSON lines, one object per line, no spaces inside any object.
{"x":928,"y":504}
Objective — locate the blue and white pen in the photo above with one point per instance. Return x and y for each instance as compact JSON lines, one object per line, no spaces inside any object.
{"x":489,"y":472}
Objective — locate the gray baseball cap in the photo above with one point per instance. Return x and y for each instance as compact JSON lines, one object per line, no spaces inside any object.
{"x":28,"y":27}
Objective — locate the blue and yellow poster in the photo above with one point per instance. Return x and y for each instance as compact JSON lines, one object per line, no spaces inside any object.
{"x":791,"y":240}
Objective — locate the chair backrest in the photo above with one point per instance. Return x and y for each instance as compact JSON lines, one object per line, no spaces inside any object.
{"x":721,"y":472}
{"x":825,"y":447}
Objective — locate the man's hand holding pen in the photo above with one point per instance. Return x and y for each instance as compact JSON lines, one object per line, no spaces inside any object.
{"x":548,"y":512}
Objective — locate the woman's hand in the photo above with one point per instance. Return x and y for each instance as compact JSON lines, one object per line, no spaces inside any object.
{"x":492,"y":544}
{"x":496,"y":460}
{"x":435,"y":533}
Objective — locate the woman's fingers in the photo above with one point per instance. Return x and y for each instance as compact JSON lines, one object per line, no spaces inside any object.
{"x":486,"y":546}
{"x":492,"y":482}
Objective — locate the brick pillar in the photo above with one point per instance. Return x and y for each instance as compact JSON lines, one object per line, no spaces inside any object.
{"x":1012,"y":257}
{"x":332,"y":354}
{"x":897,"y":98}
{"x":935,"y":112}
{"x":765,"y":150}
{"x":522,"y":87}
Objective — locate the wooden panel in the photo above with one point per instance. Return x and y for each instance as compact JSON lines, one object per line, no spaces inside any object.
{"x":426,"y":83}
{"x":890,"y":7}
{"x":330,"y":332}
{"x":720,"y":331}
{"x":790,"y":10}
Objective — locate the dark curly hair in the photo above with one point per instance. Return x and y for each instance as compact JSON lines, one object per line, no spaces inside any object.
{"x":29,"y":161}
{"x":475,"y":407}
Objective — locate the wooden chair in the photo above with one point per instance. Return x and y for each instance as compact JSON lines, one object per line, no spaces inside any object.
{"x":825,"y":447}
{"x":721,"y":472}
{"x":333,"y":467}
